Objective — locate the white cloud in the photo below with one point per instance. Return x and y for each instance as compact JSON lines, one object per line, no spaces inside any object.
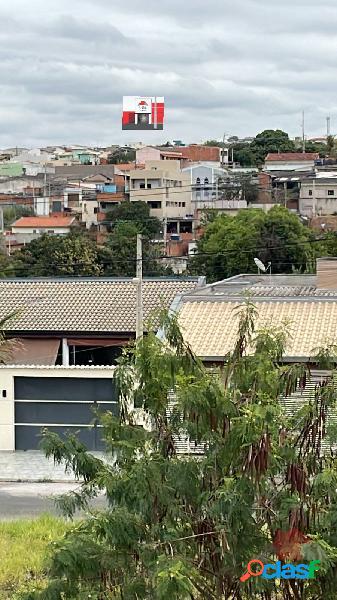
{"x":222,"y":66}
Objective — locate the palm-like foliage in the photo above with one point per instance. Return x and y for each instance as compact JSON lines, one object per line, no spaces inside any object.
{"x":184,"y":527}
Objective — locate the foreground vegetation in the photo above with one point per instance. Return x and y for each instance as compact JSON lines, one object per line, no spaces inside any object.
{"x":184,"y":528}
{"x":24,"y":547}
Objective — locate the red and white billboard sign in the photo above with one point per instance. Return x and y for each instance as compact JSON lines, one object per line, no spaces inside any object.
{"x":143,"y":112}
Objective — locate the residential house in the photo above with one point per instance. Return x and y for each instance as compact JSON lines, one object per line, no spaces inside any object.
{"x":280,"y":187}
{"x":81,"y":321}
{"x":63,"y":399}
{"x":291,"y":161}
{"x":18,"y":184}
{"x":8,"y":169}
{"x":68,"y":334}
{"x":167,"y":192}
{"x":307,"y":303}
{"x":200,"y":153}
{"x":318,"y":195}
{"x":27,"y":229}
{"x":147,"y":153}
{"x":183,"y":154}
{"x":214,"y":187}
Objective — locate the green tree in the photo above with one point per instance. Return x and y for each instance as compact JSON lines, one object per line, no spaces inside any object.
{"x":122,"y":155}
{"x":331,"y":146}
{"x":243,"y":154}
{"x":253,"y":154}
{"x":118,"y":255}
{"x":238,"y":187}
{"x":230,"y":244}
{"x":74,"y":254}
{"x":315,"y":147}
{"x":271,"y":140}
{"x":137,"y":213}
{"x":13,"y":213}
{"x":6,"y":263}
{"x":214,"y":143}
{"x":185,"y":527}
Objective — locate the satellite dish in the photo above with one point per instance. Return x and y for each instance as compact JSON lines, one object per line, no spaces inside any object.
{"x":260,"y":264}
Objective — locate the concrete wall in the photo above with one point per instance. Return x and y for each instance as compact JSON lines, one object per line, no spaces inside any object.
{"x":315,"y":198}
{"x":147,"y":153}
{"x":24,"y":235}
{"x":304,"y":165}
{"x":169,"y":186}
{"x":7,"y":404}
{"x":88,"y":214}
{"x":17,"y":185}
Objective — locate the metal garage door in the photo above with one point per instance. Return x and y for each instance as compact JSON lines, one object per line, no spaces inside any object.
{"x":63,"y":405}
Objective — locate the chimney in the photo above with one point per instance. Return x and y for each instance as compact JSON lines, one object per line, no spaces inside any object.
{"x":326,"y":273}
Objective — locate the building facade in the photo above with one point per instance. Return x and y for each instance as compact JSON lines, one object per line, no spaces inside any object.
{"x":318,"y":196}
{"x":166,"y":190}
{"x":291,"y":161}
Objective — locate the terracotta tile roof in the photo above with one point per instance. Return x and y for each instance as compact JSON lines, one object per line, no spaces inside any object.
{"x":210,"y":327}
{"x":171,"y":154}
{"x":44,"y":222}
{"x":292,"y":156}
{"x":85,"y":305}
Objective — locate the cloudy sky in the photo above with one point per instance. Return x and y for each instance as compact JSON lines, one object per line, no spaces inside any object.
{"x":223,"y":66}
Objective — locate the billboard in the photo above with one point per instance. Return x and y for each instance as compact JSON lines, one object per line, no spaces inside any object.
{"x":143,"y":112}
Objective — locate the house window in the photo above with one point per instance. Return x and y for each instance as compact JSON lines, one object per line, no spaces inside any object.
{"x":96,"y":210}
{"x":149,"y":186}
{"x":206,"y":181}
{"x":142,"y":186}
{"x":34,"y":230}
{"x":50,"y":231}
{"x":310,"y":192}
{"x":198,"y":181}
{"x":331,"y":192}
{"x":154,"y":204}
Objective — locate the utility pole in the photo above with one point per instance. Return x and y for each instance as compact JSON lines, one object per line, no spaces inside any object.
{"x":139,"y":282}
{"x":223,"y":150}
{"x":285,"y":185}
{"x":314,"y":196}
{"x":303,"y":132}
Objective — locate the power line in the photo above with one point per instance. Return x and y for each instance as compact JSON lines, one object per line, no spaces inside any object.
{"x":153,"y":259}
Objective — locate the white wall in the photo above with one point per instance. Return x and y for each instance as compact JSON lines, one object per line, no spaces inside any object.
{"x":7,"y":375}
{"x":320,"y":202}
{"x":304,"y":165}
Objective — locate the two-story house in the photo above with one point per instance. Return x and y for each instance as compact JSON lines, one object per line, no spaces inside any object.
{"x":167,"y":191}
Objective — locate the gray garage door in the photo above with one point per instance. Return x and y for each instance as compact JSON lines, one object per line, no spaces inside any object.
{"x":62,"y":405}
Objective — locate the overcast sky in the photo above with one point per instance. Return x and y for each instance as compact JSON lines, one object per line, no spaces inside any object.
{"x":223,"y":66}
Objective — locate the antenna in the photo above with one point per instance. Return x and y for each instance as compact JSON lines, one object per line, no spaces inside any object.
{"x":303,"y":132}
{"x":328,"y":126}
{"x":260,"y":265}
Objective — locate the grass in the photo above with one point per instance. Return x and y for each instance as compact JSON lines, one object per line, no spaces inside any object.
{"x":23,"y":552}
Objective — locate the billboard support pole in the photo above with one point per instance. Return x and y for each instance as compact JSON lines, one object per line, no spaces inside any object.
{"x":155,"y":113}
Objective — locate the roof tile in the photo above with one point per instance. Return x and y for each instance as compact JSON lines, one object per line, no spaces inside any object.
{"x":84,"y":305}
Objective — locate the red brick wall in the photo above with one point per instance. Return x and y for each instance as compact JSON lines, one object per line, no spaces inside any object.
{"x":198,"y":153}
{"x":264,"y":196}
